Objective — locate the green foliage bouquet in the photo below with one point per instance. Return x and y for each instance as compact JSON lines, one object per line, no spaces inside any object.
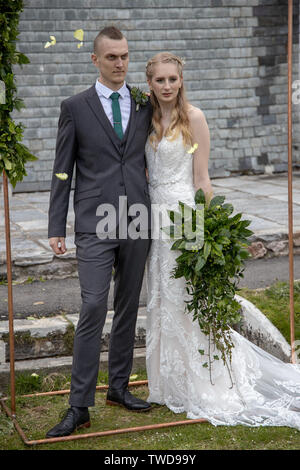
{"x":13,"y":154}
{"x":211,"y":266}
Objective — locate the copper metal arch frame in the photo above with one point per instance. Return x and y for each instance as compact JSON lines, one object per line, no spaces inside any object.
{"x":91,"y":434}
{"x":12,"y":411}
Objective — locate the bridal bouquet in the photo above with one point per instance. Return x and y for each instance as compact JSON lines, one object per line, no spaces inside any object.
{"x":211,"y":261}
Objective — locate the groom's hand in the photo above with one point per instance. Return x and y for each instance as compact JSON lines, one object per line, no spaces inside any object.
{"x":58,"y":245}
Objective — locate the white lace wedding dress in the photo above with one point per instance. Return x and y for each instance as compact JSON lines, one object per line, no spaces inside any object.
{"x":266,"y":391}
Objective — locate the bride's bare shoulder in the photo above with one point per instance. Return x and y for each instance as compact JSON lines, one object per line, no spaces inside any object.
{"x":197,"y":118}
{"x":196,"y":115}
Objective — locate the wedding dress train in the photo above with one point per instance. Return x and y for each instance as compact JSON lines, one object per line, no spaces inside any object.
{"x":265,"y":391}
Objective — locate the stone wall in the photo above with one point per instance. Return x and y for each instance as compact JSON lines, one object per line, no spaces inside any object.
{"x":236,"y":71}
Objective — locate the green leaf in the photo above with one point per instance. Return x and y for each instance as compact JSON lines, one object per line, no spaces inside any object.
{"x":176,"y":244}
{"x":171,"y":215}
{"x":200,"y":197}
{"x":7,"y":164}
{"x":217,"y":249}
{"x":183,"y":257}
{"x":182,"y":245}
{"x":228,"y":207}
{"x":11,"y":127}
{"x":236,"y":218}
{"x":244,"y":223}
{"x":22,"y":59}
{"x":200,"y":263}
{"x":207,"y":249}
{"x":216,"y":201}
{"x":244,"y":254}
{"x":19,"y":104}
{"x":247,"y":232}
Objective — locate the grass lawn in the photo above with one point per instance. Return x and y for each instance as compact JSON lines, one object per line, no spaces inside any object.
{"x":36,"y":415}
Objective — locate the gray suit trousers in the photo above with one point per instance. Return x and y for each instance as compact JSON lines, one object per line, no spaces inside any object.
{"x":96,"y":259}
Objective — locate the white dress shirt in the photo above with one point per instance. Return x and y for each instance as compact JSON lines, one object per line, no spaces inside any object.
{"x":124,"y":100}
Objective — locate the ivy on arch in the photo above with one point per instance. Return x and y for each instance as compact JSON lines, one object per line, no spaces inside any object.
{"x":13,"y":154}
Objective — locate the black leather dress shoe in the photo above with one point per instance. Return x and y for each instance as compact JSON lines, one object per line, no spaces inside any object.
{"x":74,"y":418}
{"x":126,"y":399}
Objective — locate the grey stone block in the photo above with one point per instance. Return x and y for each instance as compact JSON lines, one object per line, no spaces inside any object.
{"x":259,"y":330}
{"x":235,"y":64}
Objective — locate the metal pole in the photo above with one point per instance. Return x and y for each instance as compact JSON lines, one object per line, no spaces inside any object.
{"x":94,"y":434}
{"x":290,"y":170}
{"x":10,"y":296}
{"x":111,"y":432}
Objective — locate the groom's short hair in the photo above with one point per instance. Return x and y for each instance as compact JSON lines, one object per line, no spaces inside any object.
{"x":110,"y":32}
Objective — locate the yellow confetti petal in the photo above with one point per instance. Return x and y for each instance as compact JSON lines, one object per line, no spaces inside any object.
{"x":79,"y":45}
{"x":192,"y":149}
{"x":133,"y":377}
{"x":50,"y":43}
{"x":61,"y":176}
{"x":38,"y":303}
{"x":78,"y":34}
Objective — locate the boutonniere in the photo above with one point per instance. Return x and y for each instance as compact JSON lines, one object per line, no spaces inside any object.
{"x":140,"y":97}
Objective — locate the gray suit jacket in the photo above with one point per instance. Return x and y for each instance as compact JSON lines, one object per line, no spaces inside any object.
{"x":105,"y":169}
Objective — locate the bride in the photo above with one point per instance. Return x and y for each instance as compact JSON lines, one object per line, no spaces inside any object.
{"x":266,"y":391}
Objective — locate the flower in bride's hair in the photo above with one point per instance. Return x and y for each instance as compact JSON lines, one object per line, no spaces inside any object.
{"x":61,"y":176}
{"x":193,"y":148}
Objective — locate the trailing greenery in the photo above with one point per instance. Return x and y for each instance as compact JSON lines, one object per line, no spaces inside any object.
{"x":211,"y":264}
{"x":13,"y":154}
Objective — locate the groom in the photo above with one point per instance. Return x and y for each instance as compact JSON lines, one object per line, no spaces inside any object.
{"x":103,"y":132}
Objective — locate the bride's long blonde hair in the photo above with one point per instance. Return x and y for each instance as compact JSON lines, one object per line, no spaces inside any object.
{"x":179,"y":118}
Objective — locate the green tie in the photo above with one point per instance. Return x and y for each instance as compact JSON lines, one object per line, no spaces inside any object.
{"x":117,"y":114}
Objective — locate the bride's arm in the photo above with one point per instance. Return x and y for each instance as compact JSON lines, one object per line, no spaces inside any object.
{"x":201,"y":136}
